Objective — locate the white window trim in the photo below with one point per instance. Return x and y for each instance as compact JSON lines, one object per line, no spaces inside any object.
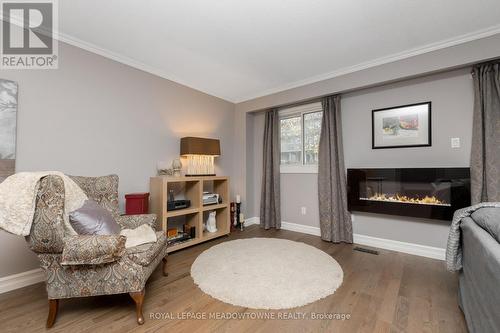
{"x":296,"y":168}
{"x":301,"y":109}
{"x":294,"y":112}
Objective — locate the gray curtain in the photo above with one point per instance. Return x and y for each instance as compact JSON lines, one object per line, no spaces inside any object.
{"x":270,"y":214}
{"x":485,"y":155}
{"x":334,"y":218}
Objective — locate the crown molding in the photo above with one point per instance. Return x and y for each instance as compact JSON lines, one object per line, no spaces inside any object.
{"x":470,"y":37}
{"x":90,"y":47}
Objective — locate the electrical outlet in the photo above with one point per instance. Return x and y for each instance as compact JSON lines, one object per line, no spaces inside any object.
{"x":303,"y":210}
{"x":455,"y":142}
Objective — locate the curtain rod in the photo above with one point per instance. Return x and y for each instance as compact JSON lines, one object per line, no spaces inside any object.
{"x":486,"y":63}
{"x":303,"y":102}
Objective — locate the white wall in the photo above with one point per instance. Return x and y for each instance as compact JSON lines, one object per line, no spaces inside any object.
{"x":452,"y":103}
{"x":94,"y":116}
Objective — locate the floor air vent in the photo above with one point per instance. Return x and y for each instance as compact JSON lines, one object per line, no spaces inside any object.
{"x":362,"y":249}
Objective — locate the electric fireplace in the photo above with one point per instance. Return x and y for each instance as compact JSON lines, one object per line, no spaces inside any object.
{"x":433,"y":193}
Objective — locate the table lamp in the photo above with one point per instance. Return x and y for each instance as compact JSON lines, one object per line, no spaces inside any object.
{"x":200,"y":153}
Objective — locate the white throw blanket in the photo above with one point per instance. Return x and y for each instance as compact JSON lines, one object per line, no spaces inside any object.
{"x":18,"y":198}
{"x":143,"y":234}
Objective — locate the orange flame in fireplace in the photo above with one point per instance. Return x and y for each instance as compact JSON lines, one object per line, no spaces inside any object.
{"x":406,"y":199}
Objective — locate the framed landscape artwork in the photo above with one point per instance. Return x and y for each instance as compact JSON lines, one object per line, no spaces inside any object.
{"x":402,"y":126}
{"x":8,"y":119}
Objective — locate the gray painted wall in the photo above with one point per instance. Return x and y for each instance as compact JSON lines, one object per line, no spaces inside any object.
{"x":94,"y":116}
{"x":254,"y":161}
{"x":249,"y":203}
{"x":423,"y":63}
{"x":102,"y":107}
{"x":452,"y":97}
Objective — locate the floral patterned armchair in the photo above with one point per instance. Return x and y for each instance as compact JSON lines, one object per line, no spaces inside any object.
{"x":124,"y":271}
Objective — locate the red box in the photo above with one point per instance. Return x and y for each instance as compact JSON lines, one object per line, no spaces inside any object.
{"x":136,"y":203}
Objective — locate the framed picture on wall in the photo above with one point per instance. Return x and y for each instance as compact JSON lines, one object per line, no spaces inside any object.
{"x":402,"y":126}
{"x":8,"y":118}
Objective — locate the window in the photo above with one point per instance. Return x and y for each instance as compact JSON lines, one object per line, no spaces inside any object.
{"x":300,"y":128}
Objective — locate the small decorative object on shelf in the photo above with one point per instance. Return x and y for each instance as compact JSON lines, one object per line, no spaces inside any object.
{"x":174,"y":169}
{"x":211,"y":198}
{"x":189,"y":230}
{"x":172,"y":232}
{"x":164,"y":169}
{"x":211,"y":224}
{"x":177,"y":167}
{"x":136,"y":203}
{"x":175,"y":236}
{"x":200,"y":153}
{"x":180,"y":238}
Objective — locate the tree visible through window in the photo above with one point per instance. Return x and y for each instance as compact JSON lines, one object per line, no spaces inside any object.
{"x":312,"y":131}
{"x":291,"y":140}
{"x":300,"y":129}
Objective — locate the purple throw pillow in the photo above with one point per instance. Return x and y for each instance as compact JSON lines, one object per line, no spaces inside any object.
{"x":93,"y":219}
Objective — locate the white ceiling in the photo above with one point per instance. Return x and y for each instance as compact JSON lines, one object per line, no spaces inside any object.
{"x":239,"y":50}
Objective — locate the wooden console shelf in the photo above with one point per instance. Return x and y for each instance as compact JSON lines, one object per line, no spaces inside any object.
{"x":192,"y":188}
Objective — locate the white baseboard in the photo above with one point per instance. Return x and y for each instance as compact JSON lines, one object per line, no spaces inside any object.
{"x":24,"y":279}
{"x":16,"y":281}
{"x":305,"y":229}
{"x":410,"y":248}
{"x":381,"y":243}
{"x":251,"y":221}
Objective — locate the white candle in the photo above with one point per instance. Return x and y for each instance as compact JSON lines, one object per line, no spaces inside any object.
{"x":238,"y":198}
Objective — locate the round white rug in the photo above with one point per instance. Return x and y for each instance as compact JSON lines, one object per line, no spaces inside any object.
{"x":266,"y":273}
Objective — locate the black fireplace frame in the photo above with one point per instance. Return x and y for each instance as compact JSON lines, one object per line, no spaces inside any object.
{"x":459,"y":191}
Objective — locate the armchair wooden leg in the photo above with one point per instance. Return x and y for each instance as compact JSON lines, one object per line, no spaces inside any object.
{"x":138,"y":298}
{"x":165,"y":273}
{"x":53,"y":306}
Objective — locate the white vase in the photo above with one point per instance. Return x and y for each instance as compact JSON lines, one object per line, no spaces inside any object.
{"x":211,"y":224}
{"x":177,"y":167}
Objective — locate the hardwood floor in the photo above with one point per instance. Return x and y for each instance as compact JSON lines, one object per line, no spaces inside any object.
{"x":391,"y":292}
